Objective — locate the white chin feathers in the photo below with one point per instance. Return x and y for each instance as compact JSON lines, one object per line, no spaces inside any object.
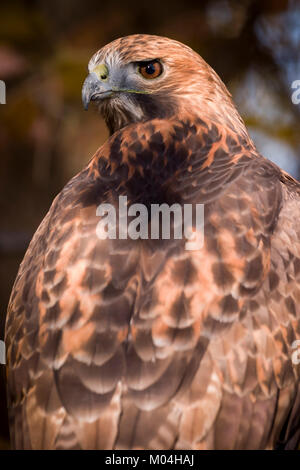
{"x":119,"y":111}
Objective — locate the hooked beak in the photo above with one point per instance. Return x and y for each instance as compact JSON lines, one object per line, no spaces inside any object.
{"x":94,"y":89}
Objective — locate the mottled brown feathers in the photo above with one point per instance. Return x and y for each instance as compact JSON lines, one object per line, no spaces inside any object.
{"x":124,"y":344}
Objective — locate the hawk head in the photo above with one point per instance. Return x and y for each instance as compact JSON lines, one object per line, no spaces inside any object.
{"x":142,"y":77}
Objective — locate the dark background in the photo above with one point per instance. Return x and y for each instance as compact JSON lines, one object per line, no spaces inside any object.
{"x":46,"y":137}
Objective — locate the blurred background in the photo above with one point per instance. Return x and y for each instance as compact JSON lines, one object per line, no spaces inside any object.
{"x":46,"y":136}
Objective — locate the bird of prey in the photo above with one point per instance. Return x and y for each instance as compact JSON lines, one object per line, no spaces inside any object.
{"x":122,"y":343}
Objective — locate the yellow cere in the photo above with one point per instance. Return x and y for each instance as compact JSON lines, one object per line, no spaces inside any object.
{"x":101,"y":71}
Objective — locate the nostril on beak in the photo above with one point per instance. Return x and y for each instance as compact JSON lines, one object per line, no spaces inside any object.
{"x":101,"y":71}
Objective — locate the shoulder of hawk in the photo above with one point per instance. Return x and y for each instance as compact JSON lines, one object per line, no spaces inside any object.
{"x":142,"y":344}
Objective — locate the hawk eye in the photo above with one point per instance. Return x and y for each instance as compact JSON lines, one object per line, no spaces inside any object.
{"x":151,"y":69}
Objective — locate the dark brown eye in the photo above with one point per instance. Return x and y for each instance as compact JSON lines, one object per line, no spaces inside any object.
{"x":151,"y":69}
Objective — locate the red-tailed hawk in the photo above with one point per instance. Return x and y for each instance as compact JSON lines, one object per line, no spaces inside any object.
{"x":142,"y":344}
